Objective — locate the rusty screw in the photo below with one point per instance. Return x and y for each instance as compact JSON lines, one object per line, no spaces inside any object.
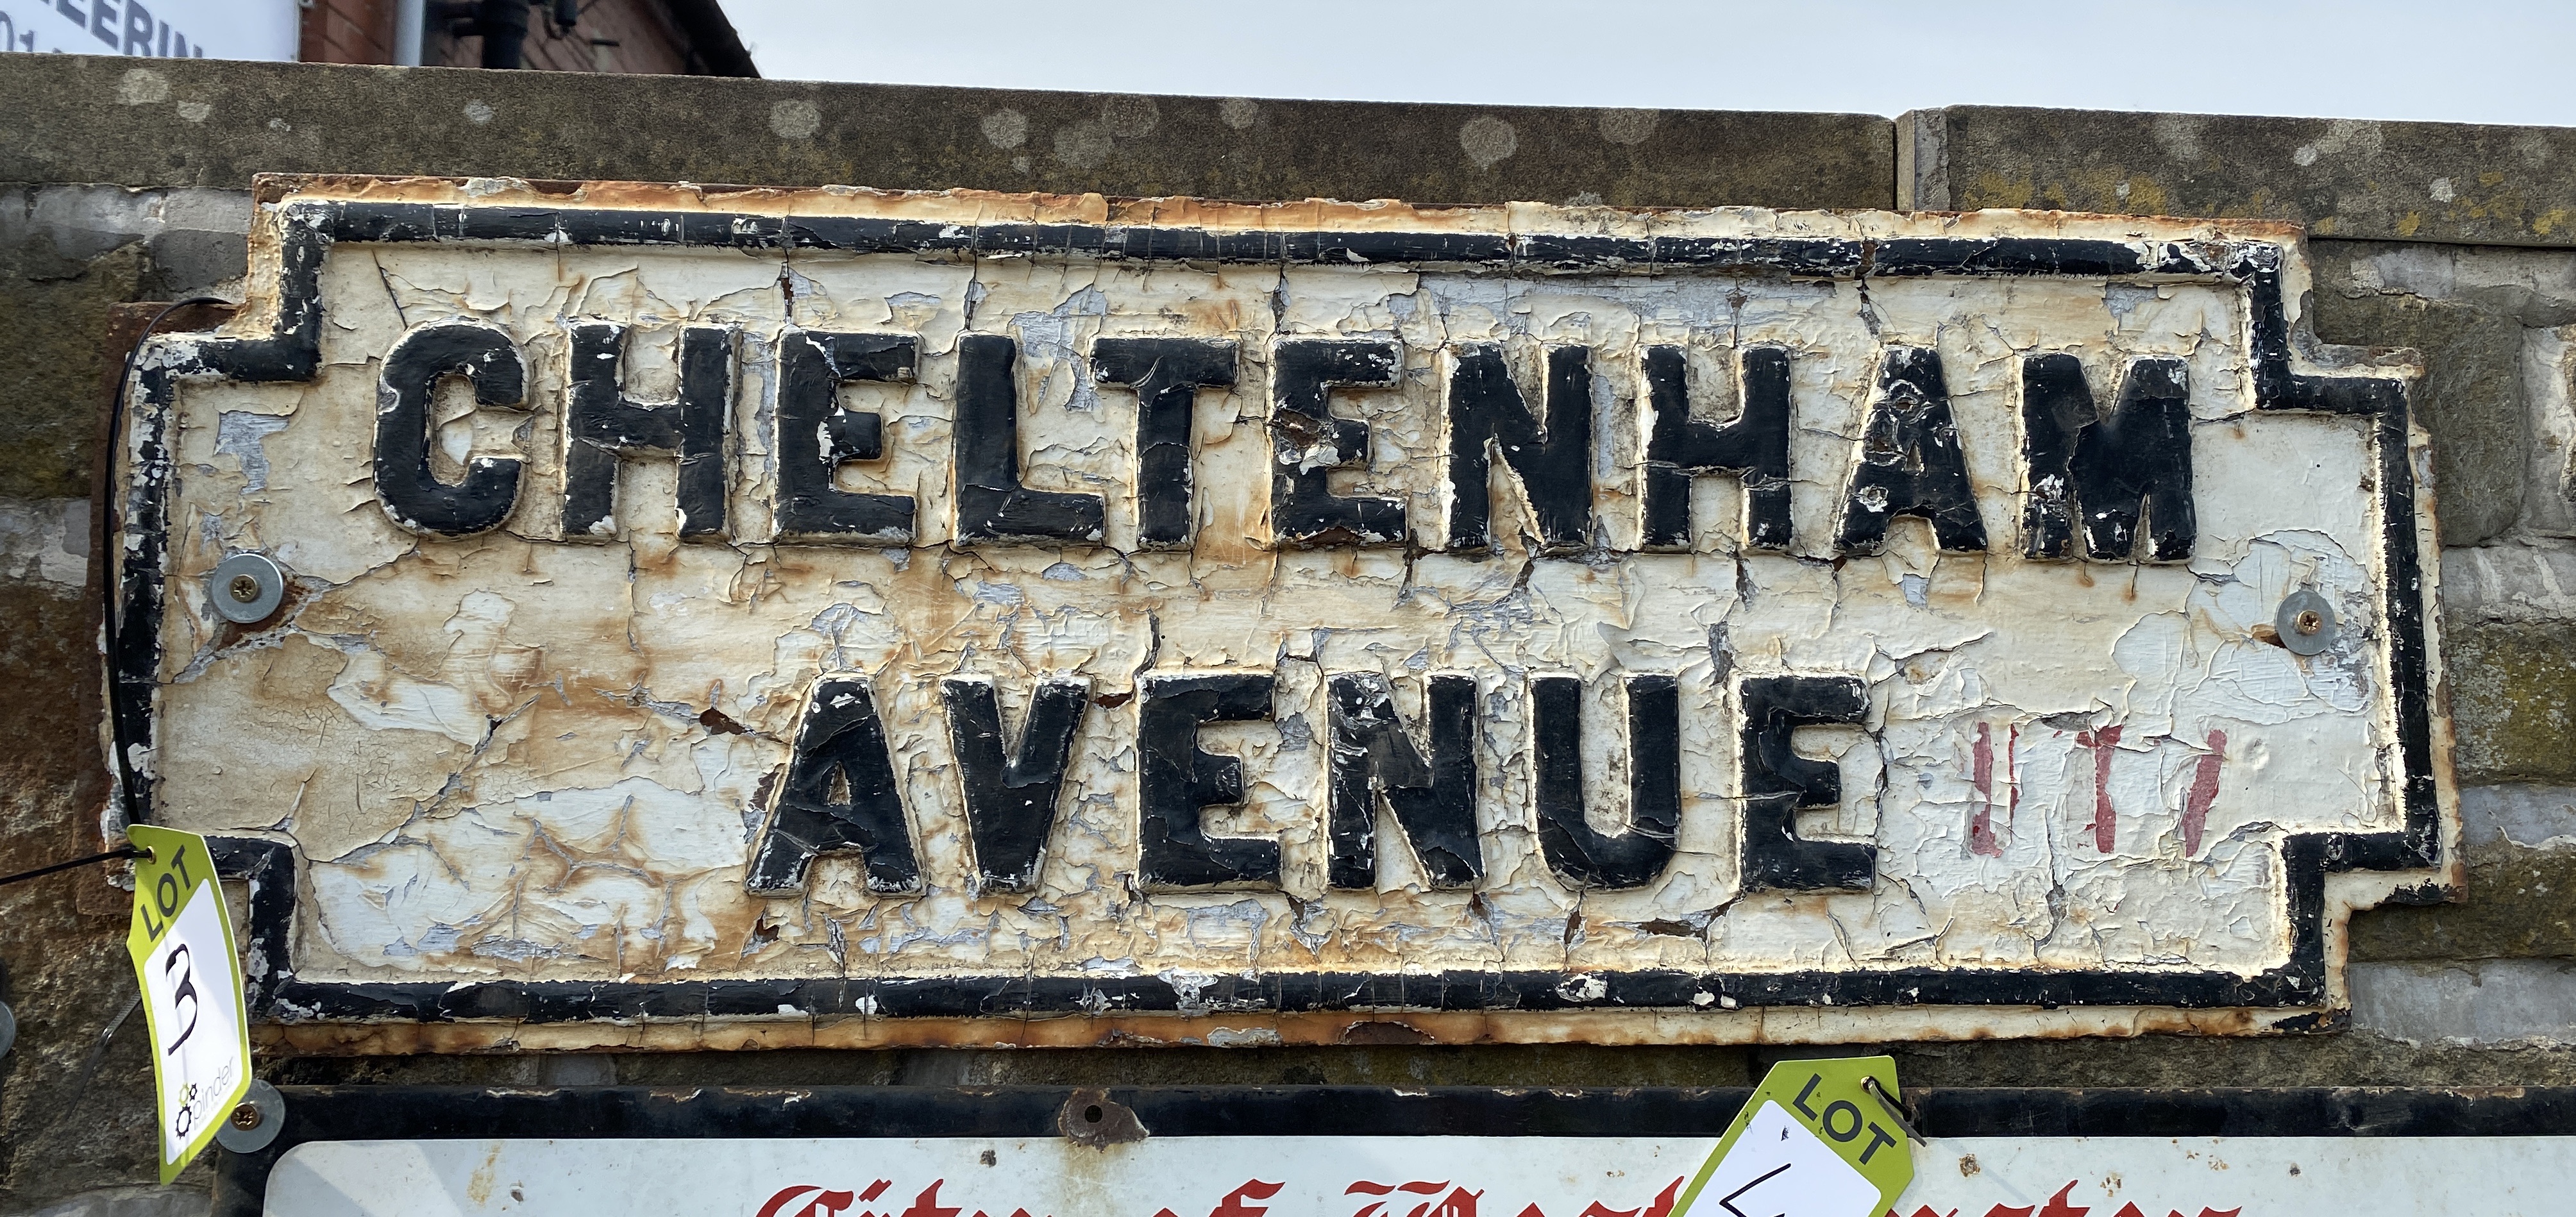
{"x":246,"y":1117}
{"x":2309,"y":621}
{"x":244,"y":589}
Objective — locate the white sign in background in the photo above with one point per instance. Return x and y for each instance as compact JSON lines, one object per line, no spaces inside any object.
{"x":196,"y":29}
{"x":1396,"y":1177}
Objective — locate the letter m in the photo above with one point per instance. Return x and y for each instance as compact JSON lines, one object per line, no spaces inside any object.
{"x":2107,"y":471}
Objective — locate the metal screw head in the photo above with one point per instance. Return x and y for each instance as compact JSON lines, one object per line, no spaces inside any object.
{"x":2306,"y":623}
{"x":254,"y":1125}
{"x":246,"y":589}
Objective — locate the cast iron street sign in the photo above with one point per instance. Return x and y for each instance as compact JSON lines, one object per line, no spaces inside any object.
{"x":831,"y":617}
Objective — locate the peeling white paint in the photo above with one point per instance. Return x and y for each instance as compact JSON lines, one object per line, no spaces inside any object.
{"x":511,"y":756}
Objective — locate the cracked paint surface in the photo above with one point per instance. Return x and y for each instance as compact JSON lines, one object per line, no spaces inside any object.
{"x":521,"y":756}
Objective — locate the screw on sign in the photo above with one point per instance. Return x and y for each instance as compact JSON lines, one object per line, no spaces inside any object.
{"x":1817,"y":1139}
{"x":182,"y":945}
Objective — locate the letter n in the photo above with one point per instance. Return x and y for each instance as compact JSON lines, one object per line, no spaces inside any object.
{"x":1434,"y":798}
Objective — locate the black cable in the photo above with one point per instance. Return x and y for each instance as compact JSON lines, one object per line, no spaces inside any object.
{"x":102,"y":537}
{"x":128,"y":851}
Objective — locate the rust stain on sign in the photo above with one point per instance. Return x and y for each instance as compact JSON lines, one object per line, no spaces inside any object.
{"x":729,"y":619}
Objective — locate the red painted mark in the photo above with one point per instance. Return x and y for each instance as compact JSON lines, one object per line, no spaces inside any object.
{"x":2102,"y":743}
{"x":927,"y":1203}
{"x":2204,"y":791}
{"x":817,"y":1203}
{"x":2002,"y":1210}
{"x":2129,"y":1210}
{"x":2057,"y":1205}
{"x":876,"y":1189}
{"x":1233,"y":1205}
{"x":1981,"y":774}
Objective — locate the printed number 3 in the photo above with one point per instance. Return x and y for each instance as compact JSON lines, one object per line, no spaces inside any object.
{"x":187,"y":992}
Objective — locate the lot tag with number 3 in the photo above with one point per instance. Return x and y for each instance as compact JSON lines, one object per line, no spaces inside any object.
{"x":182,"y":944}
{"x":1811,"y":1142}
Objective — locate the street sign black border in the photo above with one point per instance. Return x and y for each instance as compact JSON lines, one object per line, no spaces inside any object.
{"x":307,"y":228}
{"x":386,"y":1113}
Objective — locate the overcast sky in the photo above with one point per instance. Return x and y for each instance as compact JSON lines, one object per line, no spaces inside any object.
{"x":2492,"y":61}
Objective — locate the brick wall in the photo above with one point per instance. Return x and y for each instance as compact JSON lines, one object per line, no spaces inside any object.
{"x":612,"y":36}
{"x":126,"y":182}
{"x":629,"y":36}
{"x":348,"y":31}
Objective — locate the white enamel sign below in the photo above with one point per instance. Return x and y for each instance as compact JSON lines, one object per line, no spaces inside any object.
{"x":1397,"y":1177}
{"x":841,"y":618}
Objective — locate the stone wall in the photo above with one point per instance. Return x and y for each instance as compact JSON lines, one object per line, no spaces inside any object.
{"x":123,"y":183}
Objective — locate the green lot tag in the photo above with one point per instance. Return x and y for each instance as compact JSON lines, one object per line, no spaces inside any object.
{"x":1811,"y":1142}
{"x":182,"y":944}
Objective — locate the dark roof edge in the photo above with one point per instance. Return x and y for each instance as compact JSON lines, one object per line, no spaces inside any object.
{"x":714,"y":48}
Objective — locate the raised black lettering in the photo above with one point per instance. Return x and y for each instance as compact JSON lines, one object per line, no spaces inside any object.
{"x":1579,"y":854}
{"x":839,"y":743}
{"x":1553,"y":462}
{"x":1778,"y":781}
{"x":992,"y":505}
{"x":1754,"y":447}
{"x":1308,"y":443}
{"x":1434,"y":800}
{"x":816,"y":436}
{"x":2107,"y":470}
{"x":1010,"y":805}
{"x":410,"y":493}
{"x":602,"y":426}
{"x":1910,"y":462}
{"x":1167,"y":374}
{"x":1176,"y":779}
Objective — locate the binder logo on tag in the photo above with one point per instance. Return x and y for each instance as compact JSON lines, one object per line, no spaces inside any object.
{"x":182,"y":944}
{"x":1811,"y":1142}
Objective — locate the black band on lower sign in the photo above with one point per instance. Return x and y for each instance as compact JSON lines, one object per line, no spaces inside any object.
{"x":816,"y":436}
{"x":1175,"y":780}
{"x":1778,"y":781}
{"x":1580,"y":854}
{"x":1434,"y":799}
{"x":1010,"y":804}
{"x":411,"y":493}
{"x":603,"y":425}
{"x":839,"y":795}
{"x":1167,"y":374}
{"x":991,"y":503}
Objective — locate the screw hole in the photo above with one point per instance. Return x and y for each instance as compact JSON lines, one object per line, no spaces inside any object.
{"x":1091,"y":1115}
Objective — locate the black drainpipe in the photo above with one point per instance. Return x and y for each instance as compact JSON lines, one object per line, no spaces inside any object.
{"x":504,"y":27}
